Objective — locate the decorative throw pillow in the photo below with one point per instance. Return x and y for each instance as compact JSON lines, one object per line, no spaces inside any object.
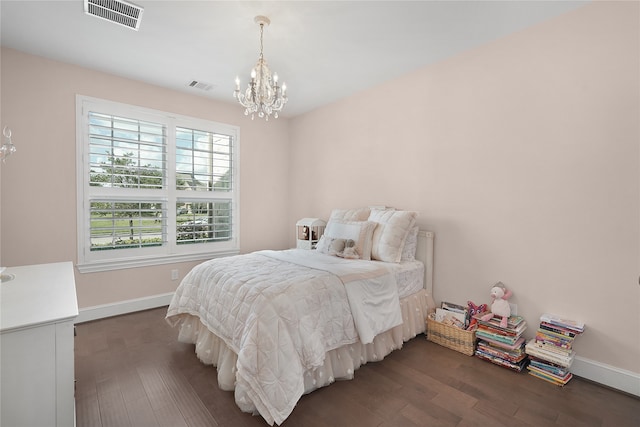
{"x":361,"y":232}
{"x":323,"y":245}
{"x":391,"y":233}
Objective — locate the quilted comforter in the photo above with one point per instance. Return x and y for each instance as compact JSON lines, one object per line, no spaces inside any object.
{"x":280,"y":312}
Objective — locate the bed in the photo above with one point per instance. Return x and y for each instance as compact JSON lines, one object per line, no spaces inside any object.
{"x":279,"y":324}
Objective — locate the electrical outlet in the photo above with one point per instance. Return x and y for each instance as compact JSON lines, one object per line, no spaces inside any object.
{"x":174,"y":274}
{"x":514,"y":309}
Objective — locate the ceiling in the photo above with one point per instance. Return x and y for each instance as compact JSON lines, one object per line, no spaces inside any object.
{"x":323,"y":50}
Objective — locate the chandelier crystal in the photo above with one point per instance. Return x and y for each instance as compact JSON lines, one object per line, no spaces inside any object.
{"x":263,"y":95}
{"x":7,"y":148}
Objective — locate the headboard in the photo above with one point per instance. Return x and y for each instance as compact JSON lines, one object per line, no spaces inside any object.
{"x":424,"y":253}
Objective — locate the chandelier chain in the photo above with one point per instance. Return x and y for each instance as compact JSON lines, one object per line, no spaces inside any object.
{"x":261,"y":32}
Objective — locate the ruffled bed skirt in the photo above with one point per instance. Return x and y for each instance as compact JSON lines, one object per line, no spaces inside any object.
{"x":338,"y":364}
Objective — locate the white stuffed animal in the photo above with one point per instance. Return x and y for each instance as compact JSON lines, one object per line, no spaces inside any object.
{"x":349,"y":251}
{"x":500,"y":306}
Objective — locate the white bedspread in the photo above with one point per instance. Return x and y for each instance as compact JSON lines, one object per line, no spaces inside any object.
{"x":371,"y":289}
{"x":280,"y":312}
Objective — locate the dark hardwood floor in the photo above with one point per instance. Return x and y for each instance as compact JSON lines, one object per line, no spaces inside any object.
{"x":132,"y":371}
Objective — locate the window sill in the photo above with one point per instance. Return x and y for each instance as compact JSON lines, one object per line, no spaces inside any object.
{"x":94,"y":267}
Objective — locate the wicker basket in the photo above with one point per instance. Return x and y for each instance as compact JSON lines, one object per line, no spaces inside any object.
{"x":451,"y":337}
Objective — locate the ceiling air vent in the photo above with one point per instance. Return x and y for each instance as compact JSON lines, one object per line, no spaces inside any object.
{"x":200,"y":85}
{"x":116,"y":11}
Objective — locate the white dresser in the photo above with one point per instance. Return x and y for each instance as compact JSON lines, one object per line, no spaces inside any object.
{"x":37,"y":312}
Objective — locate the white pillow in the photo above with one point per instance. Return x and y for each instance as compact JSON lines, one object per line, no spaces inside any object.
{"x":391,"y":233}
{"x":410,"y":245}
{"x":361,"y":232}
{"x":360,"y":214}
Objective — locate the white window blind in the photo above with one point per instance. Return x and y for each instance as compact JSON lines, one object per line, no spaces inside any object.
{"x":203,"y":161}
{"x":125,"y":152}
{"x":203,"y":221}
{"x":121,"y":225}
{"x":153,"y":187}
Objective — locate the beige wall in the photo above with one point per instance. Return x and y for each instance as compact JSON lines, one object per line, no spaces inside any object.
{"x":521,"y":155}
{"x":39,"y":182}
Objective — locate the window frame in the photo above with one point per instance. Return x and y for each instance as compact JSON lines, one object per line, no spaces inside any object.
{"x":171,"y":252}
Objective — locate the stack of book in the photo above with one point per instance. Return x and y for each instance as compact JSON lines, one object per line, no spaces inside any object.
{"x":503,"y":346}
{"x":550,"y":352}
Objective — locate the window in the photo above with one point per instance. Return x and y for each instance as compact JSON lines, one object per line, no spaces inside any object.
{"x":153,"y":187}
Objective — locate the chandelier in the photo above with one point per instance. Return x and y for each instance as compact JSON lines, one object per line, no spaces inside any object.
{"x":263,"y":94}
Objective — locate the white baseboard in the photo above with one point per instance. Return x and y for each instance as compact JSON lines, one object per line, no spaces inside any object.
{"x":610,"y":376}
{"x":607,"y":375}
{"x":123,"y":307}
